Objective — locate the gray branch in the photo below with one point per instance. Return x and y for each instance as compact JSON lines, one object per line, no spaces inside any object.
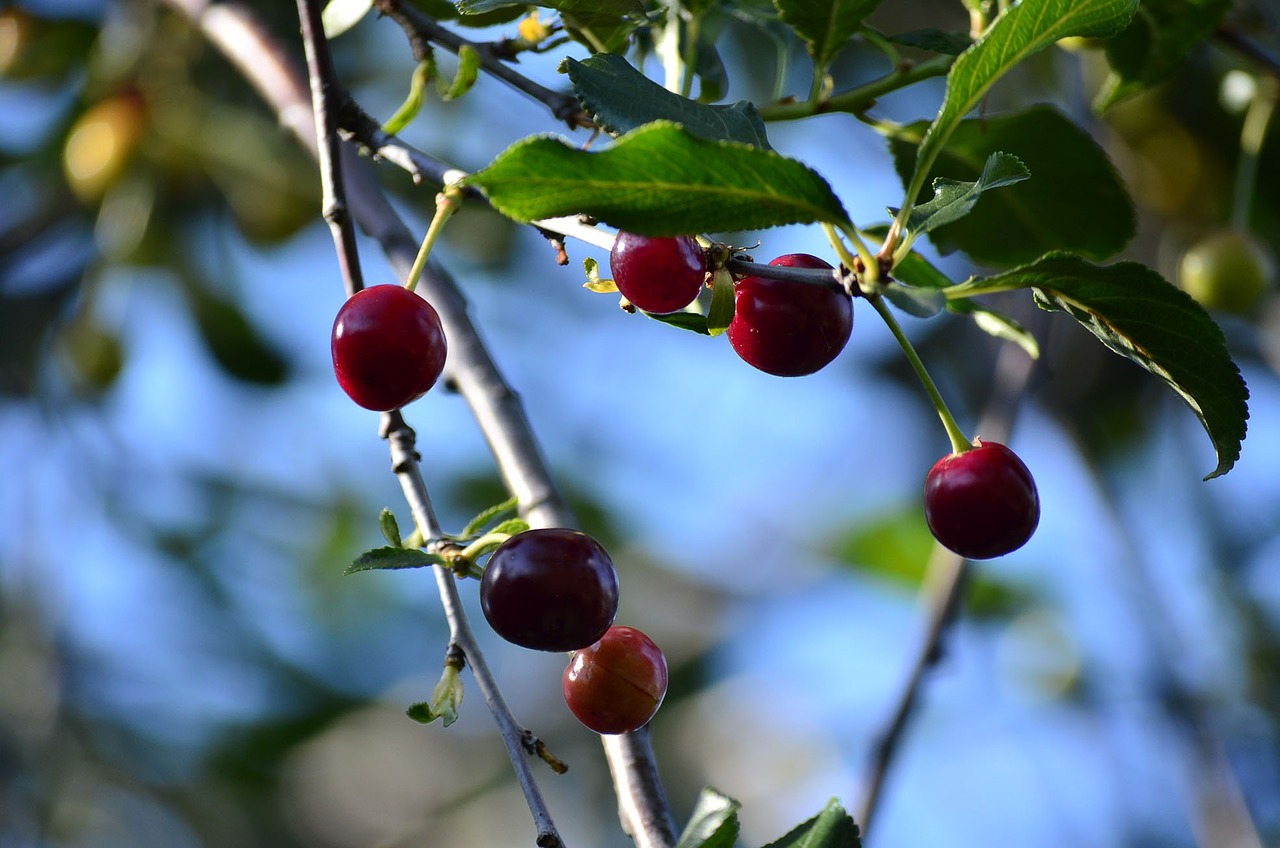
{"x":232,"y":28}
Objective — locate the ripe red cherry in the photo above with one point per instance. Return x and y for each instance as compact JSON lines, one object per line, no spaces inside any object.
{"x":617,"y":684}
{"x":550,"y":590}
{"x":388,"y":347}
{"x":786,"y":328}
{"x":981,"y":503}
{"x":658,"y":275}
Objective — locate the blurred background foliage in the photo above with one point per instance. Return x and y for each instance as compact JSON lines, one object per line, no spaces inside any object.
{"x":182,"y":664}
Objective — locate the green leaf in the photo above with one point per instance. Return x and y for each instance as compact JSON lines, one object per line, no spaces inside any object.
{"x":714,"y":823}
{"x":620,"y":98}
{"x":658,"y":180}
{"x":1141,"y":316}
{"x":594,"y":281}
{"x":341,"y":15}
{"x":825,"y":25}
{"x":935,"y":41}
{"x":1020,"y":31}
{"x":413,"y":102}
{"x":390,"y":529}
{"x":445,"y":700}
{"x":488,"y":515}
{"x":952,"y":199}
{"x":392,"y":559}
{"x":511,"y":526}
{"x":831,"y":828}
{"x":1075,"y":201}
{"x":468,"y":72}
{"x":997,"y":324}
{"x":720,"y":313}
{"x":443,"y":10}
{"x":694,"y":322}
{"x":1155,"y":43}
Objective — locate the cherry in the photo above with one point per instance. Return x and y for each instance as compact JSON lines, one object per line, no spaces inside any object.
{"x":617,"y":684}
{"x":981,"y":503}
{"x":550,"y":590}
{"x":658,"y":275}
{"x":1227,"y":270}
{"x":787,"y":328}
{"x":388,"y":347}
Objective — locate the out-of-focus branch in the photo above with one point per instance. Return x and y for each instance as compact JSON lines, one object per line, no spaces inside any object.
{"x":233,"y":29}
{"x":422,"y":31}
{"x":941,"y":593}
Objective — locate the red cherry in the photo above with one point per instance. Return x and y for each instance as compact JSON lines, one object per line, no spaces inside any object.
{"x":981,"y":503}
{"x":658,"y":275}
{"x":388,"y":347}
{"x":617,"y":684}
{"x":550,"y":590}
{"x":787,"y":328}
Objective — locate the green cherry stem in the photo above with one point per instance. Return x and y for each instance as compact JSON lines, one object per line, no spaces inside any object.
{"x":959,"y":441}
{"x":446,"y":204}
{"x":871,"y":268}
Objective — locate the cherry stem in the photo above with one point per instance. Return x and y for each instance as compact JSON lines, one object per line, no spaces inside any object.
{"x":446,"y":205}
{"x":959,"y":441}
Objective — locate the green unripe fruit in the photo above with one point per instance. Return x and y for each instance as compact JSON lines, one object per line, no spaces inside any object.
{"x":1227,"y":270}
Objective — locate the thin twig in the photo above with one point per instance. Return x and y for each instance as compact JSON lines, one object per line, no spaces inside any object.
{"x":401,"y":438}
{"x":323,"y":83}
{"x":234,"y":29}
{"x":422,"y":30}
{"x":941,"y":593}
{"x":406,"y":464}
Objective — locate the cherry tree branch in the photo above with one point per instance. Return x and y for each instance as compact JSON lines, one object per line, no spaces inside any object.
{"x":406,"y":464}
{"x":233,"y":28}
{"x":422,"y":31}
{"x":401,"y":438}
{"x":323,"y":82}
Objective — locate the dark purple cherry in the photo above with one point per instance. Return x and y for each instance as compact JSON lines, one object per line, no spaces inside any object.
{"x":550,"y":590}
{"x":388,"y":347}
{"x":981,"y":503}
{"x":617,"y":684}
{"x":788,"y":328}
{"x":658,"y":275}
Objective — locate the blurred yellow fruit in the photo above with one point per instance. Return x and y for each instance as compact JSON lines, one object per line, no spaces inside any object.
{"x":100,"y":145}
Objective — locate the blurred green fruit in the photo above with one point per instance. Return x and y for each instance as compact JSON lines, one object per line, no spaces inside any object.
{"x":1227,"y":270}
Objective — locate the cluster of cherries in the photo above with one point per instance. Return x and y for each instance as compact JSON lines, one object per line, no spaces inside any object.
{"x":980,"y":502}
{"x":550,"y":590}
{"x":557,"y":589}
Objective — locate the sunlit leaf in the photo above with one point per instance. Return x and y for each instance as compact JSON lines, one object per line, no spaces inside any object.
{"x":658,"y":180}
{"x":1141,"y":316}
{"x":1020,"y":31}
